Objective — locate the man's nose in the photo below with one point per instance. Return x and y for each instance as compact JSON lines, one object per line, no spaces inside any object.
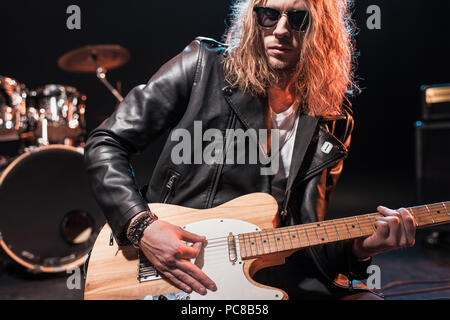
{"x":282,"y":27}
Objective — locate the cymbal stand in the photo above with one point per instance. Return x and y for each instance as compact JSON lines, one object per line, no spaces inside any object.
{"x":101,"y":75}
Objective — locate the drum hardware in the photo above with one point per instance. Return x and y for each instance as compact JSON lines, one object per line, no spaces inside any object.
{"x":48,"y":126}
{"x":96,"y":59}
{"x":101,"y":75}
{"x":56,"y":115}
{"x":13,"y":97}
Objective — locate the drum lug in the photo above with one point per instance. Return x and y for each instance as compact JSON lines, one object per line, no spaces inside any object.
{"x":31,"y":149}
{"x":36,"y":270}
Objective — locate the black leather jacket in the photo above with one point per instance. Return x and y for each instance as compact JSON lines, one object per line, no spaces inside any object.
{"x":191,"y":87}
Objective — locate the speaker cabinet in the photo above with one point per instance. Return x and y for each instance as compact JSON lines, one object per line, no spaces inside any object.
{"x":433,"y":161}
{"x":435,"y":102}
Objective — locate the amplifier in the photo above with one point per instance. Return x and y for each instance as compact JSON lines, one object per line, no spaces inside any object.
{"x":435,"y":101}
{"x":433,"y":160}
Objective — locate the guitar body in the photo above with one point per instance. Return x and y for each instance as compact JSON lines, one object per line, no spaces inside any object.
{"x":112,"y":271}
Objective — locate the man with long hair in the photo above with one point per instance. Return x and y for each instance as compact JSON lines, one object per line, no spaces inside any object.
{"x":285,"y":65}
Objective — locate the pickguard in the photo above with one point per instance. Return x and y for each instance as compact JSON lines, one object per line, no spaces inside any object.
{"x":214,"y":260}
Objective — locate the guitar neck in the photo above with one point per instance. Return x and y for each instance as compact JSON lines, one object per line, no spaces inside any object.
{"x":257,"y":244}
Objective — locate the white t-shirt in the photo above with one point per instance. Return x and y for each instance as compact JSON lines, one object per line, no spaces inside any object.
{"x":286,"y":122}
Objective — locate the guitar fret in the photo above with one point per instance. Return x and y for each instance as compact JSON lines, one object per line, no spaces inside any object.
{"x":348,"y":230}
{"x":256,"y":244}
{"x":307,"y":238}
{"x":355,"y":233}
{"x":357,"y":222}
{"x":268,"y":241}
{"x":242,"y":240}
{"x":250,"y":245}
{"x":429,"y":212}
{"x":370,"y":223}
{"x":321,"y":234}
{"x":337,"y":233}
{"x":290,"y":241}
{"x":440,"y":215}
{"x":326,"y":233}
{"x":315,"y":232}
{"x":421,"y":219}
{"x":445,"y":208}
{"x":298,"y":237}
{"x":282,"y":240}
{"x":262,"y":243}
{"x":274,"y":239}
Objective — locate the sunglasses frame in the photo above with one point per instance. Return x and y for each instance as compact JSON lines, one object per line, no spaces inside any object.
{"x":302,"y":27}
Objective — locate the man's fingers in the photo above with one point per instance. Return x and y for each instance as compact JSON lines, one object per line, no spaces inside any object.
{"x":387,"y":212}
{"x":394,"y":230}
{"x":191,"y":237}
{"x":189,"y":252}
{"x":382,"y":228}
{"x":188,"y":279}
{"x":409,"y":226}
{"x":196,"y":273}
{"x":179,"y":284}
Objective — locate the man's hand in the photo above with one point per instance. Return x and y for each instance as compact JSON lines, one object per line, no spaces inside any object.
{"x":396,"y":229}
{"x":162,"y":245}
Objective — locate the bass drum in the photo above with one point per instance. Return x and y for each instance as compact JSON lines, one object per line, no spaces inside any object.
{"x":48,"y":219}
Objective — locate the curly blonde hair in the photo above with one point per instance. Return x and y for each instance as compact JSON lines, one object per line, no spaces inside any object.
{"x":325,"y":71}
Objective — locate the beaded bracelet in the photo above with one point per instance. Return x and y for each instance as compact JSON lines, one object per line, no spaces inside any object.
{"x":137,"y":228}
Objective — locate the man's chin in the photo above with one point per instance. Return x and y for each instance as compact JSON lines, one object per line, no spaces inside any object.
{"x":281,"y":67}
{"x":277,"y":63}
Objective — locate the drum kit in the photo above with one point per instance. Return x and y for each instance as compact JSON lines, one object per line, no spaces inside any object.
{"x":48,"y":218}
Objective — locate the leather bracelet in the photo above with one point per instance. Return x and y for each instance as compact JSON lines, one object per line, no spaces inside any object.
{"x":137,"y":228}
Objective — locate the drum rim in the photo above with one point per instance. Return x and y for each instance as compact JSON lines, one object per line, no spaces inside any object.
{"x":64,"y":89}
{"x":15,"y":257}
{"x":29,"y":153}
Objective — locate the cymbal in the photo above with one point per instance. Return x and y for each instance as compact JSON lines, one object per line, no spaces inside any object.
{"x":89,"y":58}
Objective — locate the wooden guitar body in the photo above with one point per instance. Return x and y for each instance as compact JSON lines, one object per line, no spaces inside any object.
{"x":242,"y":238}
{"x":112,"y":270}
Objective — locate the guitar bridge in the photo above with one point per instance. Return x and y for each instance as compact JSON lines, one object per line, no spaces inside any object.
{"x":146,"y":270}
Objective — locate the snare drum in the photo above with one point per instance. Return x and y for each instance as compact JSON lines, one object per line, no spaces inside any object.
{"x":57,"y":113}
{"x":13,"y":115}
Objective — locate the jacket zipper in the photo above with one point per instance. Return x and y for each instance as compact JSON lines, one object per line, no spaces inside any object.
{"x":218,"y":173}
{"x":169,"y":187}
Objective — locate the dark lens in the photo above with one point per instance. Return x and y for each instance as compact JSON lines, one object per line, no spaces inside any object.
{"x":267,"y":17}
{"x":298,"y":20}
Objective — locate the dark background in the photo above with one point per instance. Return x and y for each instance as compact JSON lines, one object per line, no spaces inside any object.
{"x":411,"y":49}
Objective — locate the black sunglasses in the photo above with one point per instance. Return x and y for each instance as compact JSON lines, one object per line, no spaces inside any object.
{"x":268,"y":17}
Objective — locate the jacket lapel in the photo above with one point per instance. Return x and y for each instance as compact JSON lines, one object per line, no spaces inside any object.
{"x":250,"y":110}
{"x":305,"y":131}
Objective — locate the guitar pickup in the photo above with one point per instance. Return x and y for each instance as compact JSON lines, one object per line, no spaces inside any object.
{"x":232,"y":253}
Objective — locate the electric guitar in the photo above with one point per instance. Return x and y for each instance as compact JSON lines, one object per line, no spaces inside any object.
{"x":241,"y":239}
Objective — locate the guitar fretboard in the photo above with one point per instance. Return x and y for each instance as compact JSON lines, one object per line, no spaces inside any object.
{"x":271,"y":241}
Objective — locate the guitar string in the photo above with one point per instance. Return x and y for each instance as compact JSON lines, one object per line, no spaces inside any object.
{"x":312,"y":226}
{"x":222,"y":246}
{"x":324,"y":224}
